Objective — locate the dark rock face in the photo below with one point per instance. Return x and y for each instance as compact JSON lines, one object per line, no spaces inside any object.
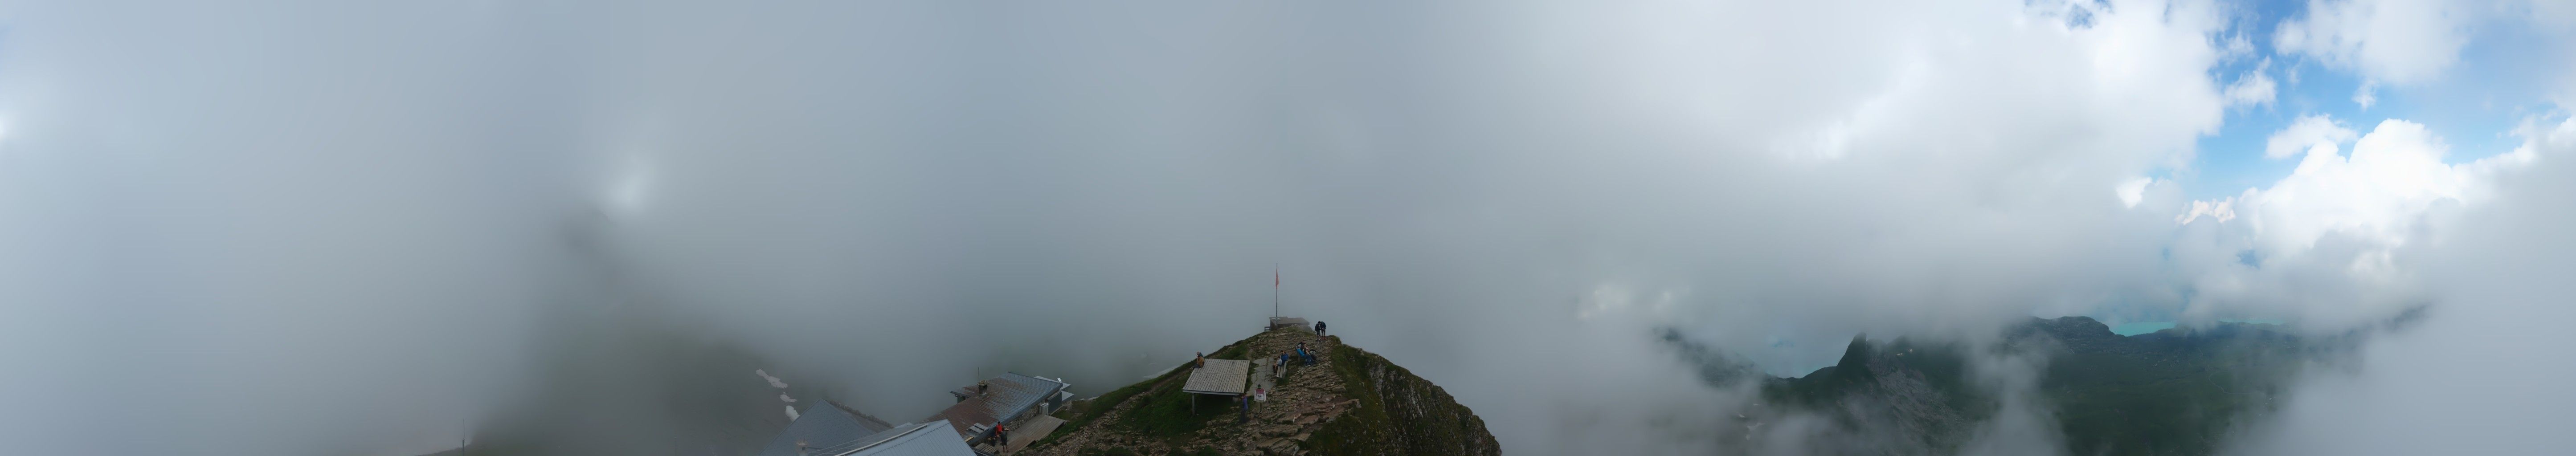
{"x":1896,"y":398}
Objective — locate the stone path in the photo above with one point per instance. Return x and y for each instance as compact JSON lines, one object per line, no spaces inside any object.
{"x":1262,"y":377}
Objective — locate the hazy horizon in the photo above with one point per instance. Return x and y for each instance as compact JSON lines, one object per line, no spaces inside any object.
{"x":322,"y":228}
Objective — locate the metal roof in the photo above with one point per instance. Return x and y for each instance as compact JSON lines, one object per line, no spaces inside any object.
{"x":1219,"y":376}
{"x":1012,"y":394}
{"x":823,"y":424}
{"x":871,"y":423}
{"x":1215,"y":383}
{"x":925,"y":439}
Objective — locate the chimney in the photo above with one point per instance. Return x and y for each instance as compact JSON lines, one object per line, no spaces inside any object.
{"x":800,"y":448}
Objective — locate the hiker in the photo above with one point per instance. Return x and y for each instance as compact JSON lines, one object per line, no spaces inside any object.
{"x":1302,"y":354}
{"x":1261,"y":394}
{"x":1201,"y":363}
{"x":1319,"y":329}
{"x":1246,"y":400}
{"x":1001,"y":435}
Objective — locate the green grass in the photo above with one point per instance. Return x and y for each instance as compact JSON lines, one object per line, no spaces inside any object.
{"x":1231,"y":351}
{"x":1397,"y":411}
{"x":1415,"y":418}
{"x":1165,"y":411}
{"x":1093,"y":408}
{"x":1364,"y":428}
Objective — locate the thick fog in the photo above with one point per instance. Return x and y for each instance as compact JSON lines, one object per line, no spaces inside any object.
{"x":343,"y":228}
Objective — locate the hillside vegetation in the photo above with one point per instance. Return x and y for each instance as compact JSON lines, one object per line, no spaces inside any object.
{"x":1350,"y":402}
{"x":2173,"y":392}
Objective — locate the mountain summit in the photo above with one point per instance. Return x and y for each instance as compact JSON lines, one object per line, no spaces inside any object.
{"x":1348,"y":401}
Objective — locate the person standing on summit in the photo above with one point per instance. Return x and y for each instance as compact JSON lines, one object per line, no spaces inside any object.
{"x":1319,"y":329}
{"x":1244,"y":398}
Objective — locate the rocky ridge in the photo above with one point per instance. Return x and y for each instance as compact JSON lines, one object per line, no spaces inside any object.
{"x":1349,"y":402}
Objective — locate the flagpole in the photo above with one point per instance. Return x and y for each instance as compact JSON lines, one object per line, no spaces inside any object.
{"x":1274,"y":290}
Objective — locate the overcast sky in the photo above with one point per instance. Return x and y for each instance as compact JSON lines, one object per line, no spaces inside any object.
{"x":276,"y":227}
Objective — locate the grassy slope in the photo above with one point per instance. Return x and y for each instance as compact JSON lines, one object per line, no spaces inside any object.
{"x":1426,"y":420}
{"x":1167,"y":412}
{"x":1434,"y":423}
{"x":1161,"y":408}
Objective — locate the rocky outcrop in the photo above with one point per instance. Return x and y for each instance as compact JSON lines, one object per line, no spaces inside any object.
{"x":1398,"y":411}
{"x":1889,"y":398}
{"x":1349,"y":402}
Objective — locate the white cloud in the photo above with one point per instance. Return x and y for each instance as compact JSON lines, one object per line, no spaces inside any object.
{"x":2133,"y":191}
{"x":774,"y":382}
{"x":2221,"y":210}
{"x":2306,"y":132}
{"x":2367,"y":94}
{"x":2331,"y":238}
{"x":1757,"y":170}
{"x":2392,"y":174}
{"x":2254,"y":88}
{"x":630,"y":189}
{"x":2557,"y":15}
{"x":2238,"y":46}
{"x":2398,"y":41}
{"x":2467,"y":377}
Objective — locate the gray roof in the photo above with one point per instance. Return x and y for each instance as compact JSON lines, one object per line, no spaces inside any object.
{"x":925,"y":439}
{"x":823,"y":424}
{"x":1012,"y":394}
{"x":1221,"y":376}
